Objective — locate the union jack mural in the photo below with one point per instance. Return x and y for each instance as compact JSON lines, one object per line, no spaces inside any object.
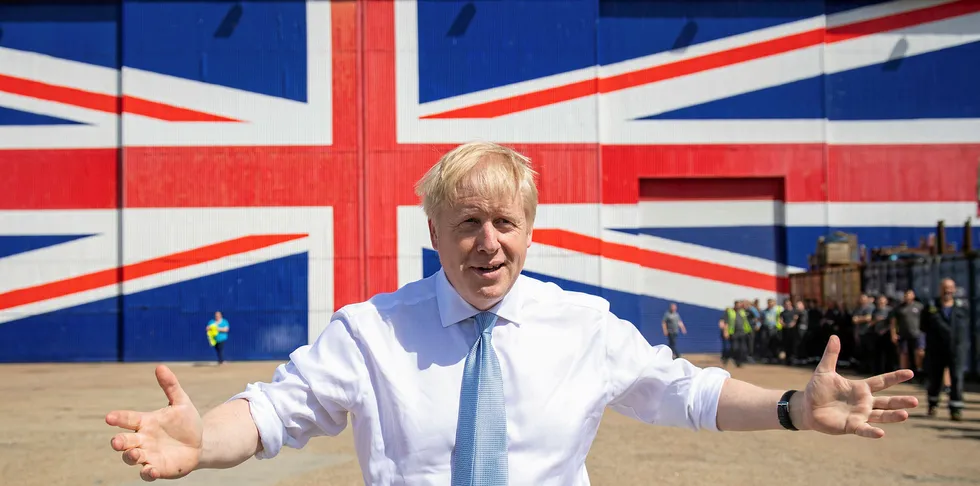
{"x":163,"y":160}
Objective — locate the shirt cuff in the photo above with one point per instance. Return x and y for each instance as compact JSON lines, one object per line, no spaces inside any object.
{"x":267,"y":421}
{"x":705,"y":392}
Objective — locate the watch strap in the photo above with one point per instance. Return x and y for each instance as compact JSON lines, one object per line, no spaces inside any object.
{"x":782,"y":411}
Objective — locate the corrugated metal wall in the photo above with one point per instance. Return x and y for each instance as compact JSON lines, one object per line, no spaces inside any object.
{"x":341,"y":175}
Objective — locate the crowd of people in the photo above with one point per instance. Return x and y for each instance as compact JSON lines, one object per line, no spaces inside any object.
{"x":877,"y":336}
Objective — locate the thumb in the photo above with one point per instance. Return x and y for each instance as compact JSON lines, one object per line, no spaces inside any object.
{"x":171,"y":387}
{"x":828,"y":363}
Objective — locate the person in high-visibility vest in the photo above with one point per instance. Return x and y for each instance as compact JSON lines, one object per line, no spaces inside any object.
{"x":772,"y":325}
{"x":736,"y":324}
{"x":217,"y":331}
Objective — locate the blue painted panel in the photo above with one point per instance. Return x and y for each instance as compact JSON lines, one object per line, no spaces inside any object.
{"x":766,"y":242}
{"x":630,"y":29}
{"x":14,"y":244}
{"x":933,"y":85}
{"x":265,"y":304}
{"x":836,"y":6}
{"x":802,"y":99}
{"x":11,"y":117}
{"x":791,"y":245}
{"x":257,"y":46}
{"x":83,"y":333}
{"x":644,"y":312}
{"x":84,"y":32}
{"x":471,"y":46}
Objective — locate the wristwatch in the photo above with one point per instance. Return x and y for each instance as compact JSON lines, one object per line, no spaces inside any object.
{"x":782,"y":410}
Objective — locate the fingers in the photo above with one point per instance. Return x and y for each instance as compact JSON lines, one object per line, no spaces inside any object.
{"x":168,"y":382}
{"x":869,"y":431}
{"x":133,"y":457}
{"x":148,"y":474}
{"x":895,"y":403}
{"x":126,"y":419}
{"x":888,"y":416}
{"x":125,"y":442}
{"x":887,"y":380}
{"x":828,"y":363}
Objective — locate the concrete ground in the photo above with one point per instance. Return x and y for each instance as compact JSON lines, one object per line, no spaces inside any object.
{"x":52,"y":432}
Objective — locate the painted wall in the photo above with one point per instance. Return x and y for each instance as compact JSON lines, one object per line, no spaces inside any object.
{"x":163,"y":160}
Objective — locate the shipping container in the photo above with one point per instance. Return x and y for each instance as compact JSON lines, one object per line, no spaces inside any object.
{"x":889,"y":278}
{"x":160,"y":161}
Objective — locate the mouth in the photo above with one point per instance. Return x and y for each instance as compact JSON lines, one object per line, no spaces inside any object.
{"x":488,"y":271}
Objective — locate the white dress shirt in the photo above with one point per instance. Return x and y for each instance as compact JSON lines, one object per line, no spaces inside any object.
{"x":393,"y":365}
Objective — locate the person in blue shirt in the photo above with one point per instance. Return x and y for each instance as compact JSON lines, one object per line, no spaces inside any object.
{"x":217,"y":330}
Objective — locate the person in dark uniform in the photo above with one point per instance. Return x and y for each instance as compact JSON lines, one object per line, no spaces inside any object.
{"x":886,"y":354}
{"x":906,"y":333}
{"x":672,"y":323}
{"x":790,"y":334}
{"x":864,"y":333}
{"x":947,"y":329}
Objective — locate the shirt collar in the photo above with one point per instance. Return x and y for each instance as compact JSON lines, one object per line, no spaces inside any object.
{"x":453,"y":309}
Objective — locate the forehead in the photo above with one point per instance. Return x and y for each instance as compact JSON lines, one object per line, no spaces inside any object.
{"x":475,"y":202}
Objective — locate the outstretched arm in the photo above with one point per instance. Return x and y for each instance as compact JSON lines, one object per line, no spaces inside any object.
{"x":230,"y":436}
{"x":174,"y":441}
{"x":830,"y":403}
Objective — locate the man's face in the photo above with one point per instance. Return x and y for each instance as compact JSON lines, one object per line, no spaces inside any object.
{"x":882,"y":301}
{"x":909,"y":296}
{"x":949,"y":288}
{"x":482,"y":246}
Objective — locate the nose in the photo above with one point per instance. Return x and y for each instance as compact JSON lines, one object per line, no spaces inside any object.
{"x":487,"y":240}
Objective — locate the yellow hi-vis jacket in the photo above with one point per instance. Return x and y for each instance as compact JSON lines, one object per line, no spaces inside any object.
{"x":745,"y":321}
{"x":779,"y":312}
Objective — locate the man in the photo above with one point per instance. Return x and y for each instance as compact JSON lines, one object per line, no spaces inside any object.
{"x":803,"y":334}
{"x":479,"y":375}
{"x":772,"y":326}
{"x":791,"y":336}
{"x":737,"y":326}
{"x":755,"y":348}
{"x":906,"y":333}
{"x":672,"y":323}
{"x":885,"y":352}
{"x":947,"y":328}
{"x":864,"y":334}
{"x":217,"y":331}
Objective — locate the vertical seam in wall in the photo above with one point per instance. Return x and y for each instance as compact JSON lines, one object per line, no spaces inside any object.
{"x":362,"y":223}
{"x":598,"y":134}
{"x":120,"y":190}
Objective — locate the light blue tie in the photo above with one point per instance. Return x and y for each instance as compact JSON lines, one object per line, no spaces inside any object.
{"x":480,"y":457}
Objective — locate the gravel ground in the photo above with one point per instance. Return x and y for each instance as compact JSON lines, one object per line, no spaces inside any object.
{"x":56,"y":413}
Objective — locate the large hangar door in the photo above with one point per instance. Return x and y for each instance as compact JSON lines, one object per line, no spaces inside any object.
{"x":723,"y":239}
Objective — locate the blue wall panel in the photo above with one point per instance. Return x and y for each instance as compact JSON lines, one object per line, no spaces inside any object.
{"x":265,"y":305}
{"x":500,"y":42}
{"x":257,"y":46}
{"x":83,"y":333}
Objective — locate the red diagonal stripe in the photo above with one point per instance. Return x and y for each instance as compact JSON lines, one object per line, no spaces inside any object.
{"x":759,"y":50}
{"x":103,"y":102}
{"x":660,"y":261}
{"x":162,"y":264}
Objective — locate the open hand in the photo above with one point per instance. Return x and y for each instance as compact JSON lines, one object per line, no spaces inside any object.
{"x":835,"y":405}
{"x":167,"y":443}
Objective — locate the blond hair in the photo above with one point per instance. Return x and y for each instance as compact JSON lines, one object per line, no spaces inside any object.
{"x":504,"y":173}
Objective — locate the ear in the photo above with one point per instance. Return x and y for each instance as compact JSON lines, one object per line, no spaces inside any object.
{"x":530,"y":232}
{"x":433,"y":237}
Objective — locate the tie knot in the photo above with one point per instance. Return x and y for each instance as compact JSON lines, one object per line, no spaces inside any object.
{"x":485,"y":321}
